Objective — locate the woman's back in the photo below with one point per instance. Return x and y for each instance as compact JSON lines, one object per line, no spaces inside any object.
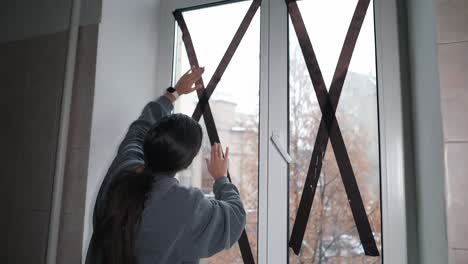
{"x":177,"y":224}
{"x":180,"y":225}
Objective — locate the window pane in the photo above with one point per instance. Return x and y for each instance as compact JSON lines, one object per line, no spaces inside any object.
{"x":234,"y":105}
{"x":331,"y":235}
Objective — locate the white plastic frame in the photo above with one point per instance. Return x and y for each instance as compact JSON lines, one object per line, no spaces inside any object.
{"x":273,"y":170}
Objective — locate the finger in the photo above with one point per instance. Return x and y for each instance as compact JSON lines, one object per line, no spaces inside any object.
{"x":226,"y":154}
{"x":189,"y":71}
{"x":197,"y":87}
{"x":190,"y":80}
{"x":220,"y":152}
{"x":197,"y":71}
{"x":194,"y":76}
{"x":195,"y":84}
{"x":213,"y":153}
{"x":215,"y":150}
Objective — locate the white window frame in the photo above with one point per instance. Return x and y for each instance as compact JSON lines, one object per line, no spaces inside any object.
{"x":273,"y":170}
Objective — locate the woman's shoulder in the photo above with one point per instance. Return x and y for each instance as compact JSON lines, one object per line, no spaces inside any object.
{"x":169,"y":191}
{"x":191,"y":197}
{"x":192,"y":194}
{"x":185,"y":199}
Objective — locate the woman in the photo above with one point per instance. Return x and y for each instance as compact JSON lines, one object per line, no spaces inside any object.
{"x":142,"y":215}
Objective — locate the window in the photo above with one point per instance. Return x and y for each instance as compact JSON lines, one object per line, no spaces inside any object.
{"x":267,"y":90}
{"x":331,"y":235}
{"x":234,"y":104}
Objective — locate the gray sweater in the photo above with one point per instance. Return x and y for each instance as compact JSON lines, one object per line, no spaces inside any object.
{"x":179,"y":225}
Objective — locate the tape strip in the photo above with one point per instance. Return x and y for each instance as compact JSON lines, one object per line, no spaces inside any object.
{"x":329,"y":128}
{"x":203,"y":107}
{"x":228,"y":56}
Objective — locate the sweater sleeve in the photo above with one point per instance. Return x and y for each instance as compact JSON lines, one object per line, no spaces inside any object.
{"x":217,"y":223}
{"x":131,"y":147}
{"x":130,"y":151}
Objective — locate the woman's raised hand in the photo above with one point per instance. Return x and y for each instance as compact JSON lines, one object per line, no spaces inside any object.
{"x":217,"y":165}
{"x":186,"y":83}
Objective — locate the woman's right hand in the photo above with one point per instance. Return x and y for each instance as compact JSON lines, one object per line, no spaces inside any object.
{"x":185,"y":84}
{"x":217,"y":165}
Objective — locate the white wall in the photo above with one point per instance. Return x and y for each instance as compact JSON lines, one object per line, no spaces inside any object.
{"x":125,"y":80}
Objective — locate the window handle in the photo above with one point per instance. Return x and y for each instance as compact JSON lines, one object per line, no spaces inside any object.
{"x":276,"y":141}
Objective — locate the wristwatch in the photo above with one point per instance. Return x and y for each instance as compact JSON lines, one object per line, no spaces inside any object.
{"x":172,"y":91}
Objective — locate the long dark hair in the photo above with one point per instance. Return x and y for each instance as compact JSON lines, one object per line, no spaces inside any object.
{"x":169,"y":146}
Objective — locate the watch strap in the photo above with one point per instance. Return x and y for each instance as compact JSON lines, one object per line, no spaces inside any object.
{"x":173,"y":91}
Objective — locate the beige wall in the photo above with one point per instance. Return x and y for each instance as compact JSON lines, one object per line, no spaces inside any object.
{"x":31,"y":79}
{"x":31,"y":76}
{"x":452,"y":42}
{"x":33,"y":47}
{"x":74,"y":193}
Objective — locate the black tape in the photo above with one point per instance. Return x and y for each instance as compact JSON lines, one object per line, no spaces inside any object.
{"x":203,"y":107}
{"x":329,"y":128}
{"x":228,"y":55}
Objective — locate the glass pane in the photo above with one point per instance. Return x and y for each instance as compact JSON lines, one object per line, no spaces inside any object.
{"x":234,"y":105}
{"x":331,"y":235}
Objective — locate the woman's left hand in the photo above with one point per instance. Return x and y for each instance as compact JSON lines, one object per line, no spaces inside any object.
{"x":185,"y":85}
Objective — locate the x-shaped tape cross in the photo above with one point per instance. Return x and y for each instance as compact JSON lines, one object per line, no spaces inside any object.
{"x":203,"y":106}
{"x":329,"y":128}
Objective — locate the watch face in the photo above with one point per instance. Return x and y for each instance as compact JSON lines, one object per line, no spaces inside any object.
{"x":171,"y":89}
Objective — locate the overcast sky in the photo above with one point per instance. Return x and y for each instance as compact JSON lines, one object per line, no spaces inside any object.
{"x":327,"y":22}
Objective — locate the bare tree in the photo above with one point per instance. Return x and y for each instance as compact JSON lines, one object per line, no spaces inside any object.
{"x":331,"y":236}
